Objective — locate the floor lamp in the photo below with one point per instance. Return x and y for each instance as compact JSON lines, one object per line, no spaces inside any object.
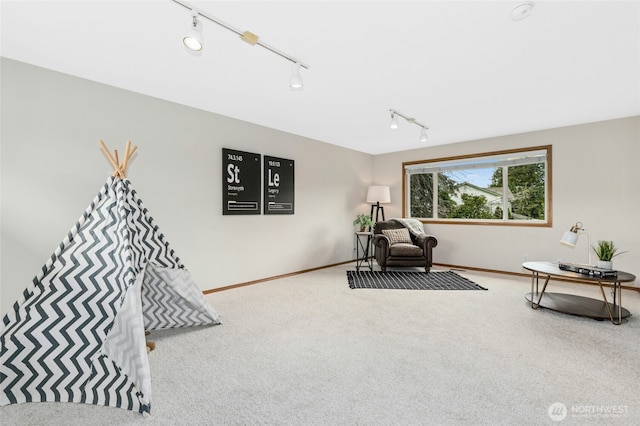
{"x":378,"y":194}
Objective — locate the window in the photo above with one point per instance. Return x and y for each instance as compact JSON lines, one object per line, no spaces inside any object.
{"x":504,"y":187}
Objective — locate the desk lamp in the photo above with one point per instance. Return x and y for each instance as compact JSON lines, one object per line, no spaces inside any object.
{"x":570,"y":238}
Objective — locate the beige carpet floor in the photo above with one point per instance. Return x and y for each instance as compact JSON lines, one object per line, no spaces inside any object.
{"x":307,"y":350}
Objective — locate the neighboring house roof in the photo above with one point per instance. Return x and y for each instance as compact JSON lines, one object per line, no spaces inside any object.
{"x":492,"y":192}
{"x":493,"y":195}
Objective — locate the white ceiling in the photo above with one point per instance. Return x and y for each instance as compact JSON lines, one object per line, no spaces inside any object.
{"x":465,"y":69}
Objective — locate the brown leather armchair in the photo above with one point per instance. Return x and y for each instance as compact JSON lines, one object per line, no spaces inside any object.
{"x":416,"y":253}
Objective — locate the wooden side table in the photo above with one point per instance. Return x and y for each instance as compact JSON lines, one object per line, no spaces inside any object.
{"x":573,"y":304}
{"x":363,"y":243}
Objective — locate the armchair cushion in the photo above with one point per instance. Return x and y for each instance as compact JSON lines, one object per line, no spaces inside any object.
{"x":405,"y":250}
{"x":397,"y":235}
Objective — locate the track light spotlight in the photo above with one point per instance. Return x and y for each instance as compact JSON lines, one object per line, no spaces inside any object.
{"x":423,"y":135}
{"x":394,"y":121}
{"x":295,"y":83}
{"x":192,"y":40}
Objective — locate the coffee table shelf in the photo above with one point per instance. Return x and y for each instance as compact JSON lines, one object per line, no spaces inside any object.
{"x":576,"y":305}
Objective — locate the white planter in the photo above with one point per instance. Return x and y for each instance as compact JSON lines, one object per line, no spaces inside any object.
{"x":605,"y":264}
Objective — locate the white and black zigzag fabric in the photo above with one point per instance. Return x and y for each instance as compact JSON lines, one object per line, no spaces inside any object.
{"x":77,"y":334}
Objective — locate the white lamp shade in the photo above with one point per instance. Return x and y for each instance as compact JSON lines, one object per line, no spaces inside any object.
{"x":423,"y":135}
{"x":193,"y":40}
{"x":295,"y":83}
{"x":378,"y":194}
{"x":569,"y":239}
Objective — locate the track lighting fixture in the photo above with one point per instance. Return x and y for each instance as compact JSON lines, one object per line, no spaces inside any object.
{"x":394,"y":124}
{"x":296,"y":80}
{"x":194,"y":42}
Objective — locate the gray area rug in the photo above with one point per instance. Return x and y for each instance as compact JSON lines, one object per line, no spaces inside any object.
{"x":447,"y":280}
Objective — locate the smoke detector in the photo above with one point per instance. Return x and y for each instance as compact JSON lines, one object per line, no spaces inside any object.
{"x":522,"y":11}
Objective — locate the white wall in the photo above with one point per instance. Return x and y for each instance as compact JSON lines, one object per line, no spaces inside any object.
{"x":52,"y":167}
{"x":596,"y":180}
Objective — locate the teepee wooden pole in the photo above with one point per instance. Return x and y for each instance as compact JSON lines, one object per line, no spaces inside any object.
{"x":119,"y":169}
{"x":127,"y":155}
{"x":127,"y":148}
{"x":131,"y":152}
{"x":108,"y":154}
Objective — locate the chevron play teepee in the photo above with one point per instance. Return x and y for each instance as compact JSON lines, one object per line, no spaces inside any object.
{"x":77,"y":334}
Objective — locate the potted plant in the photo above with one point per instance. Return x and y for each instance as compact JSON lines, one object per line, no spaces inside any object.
{"x":606,"y":251}
{"x":363,"y":221}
